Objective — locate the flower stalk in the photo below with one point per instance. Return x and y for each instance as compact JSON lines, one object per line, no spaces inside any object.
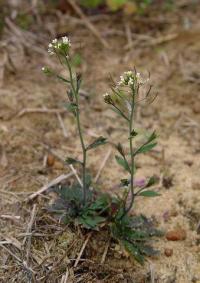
{"x":61,"y":49}
{"x":123,"y":102}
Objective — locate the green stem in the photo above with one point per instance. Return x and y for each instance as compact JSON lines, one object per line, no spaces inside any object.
{"x":84,"y":151}
{"x":126,"y":210}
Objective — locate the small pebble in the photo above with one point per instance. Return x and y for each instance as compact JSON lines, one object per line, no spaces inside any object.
{"x":168,"y":252}
{"x":50,"y":160}
{"x":176,"y":235}
{"x":58,"y":165}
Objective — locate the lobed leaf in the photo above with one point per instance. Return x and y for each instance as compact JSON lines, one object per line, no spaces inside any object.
{"x":145,"y":148}
{"x":151,"y":182}
{"x":90,"y":221}
{"x":123,"y":163}
{"x":72,"y":107}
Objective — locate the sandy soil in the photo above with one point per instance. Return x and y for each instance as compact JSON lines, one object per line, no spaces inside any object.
{"x":175,"y":114}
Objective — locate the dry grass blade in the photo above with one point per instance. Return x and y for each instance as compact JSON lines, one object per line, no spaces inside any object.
{"x":75,"y":174}
{"x":10,"y":217}
{"x":28,"y":231}
{"x":49,"y":185}
{"x":65,"y":277}
{"x":102,"y":165}
{"x":82,"y":249}
{"x":128,"y":34}
{"x":62,"y":125}
{"x":40,"y":110}
{"x":105,"y":252}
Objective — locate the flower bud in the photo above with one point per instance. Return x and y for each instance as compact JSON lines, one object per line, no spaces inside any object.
{"x":107,"y":98}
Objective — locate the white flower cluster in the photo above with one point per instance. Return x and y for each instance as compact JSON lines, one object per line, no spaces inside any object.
{"x":141,"y":80}
{"x":129,"y":78}
{"x":59,"y":45}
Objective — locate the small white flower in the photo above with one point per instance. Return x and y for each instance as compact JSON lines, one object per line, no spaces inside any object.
{"x":50,"y":51}
{"x":43,"y":68}
{"x":59,"y":45}
{"x":66,"y":40}
{"x":106,"y":95}
{"x":130,"y":81}
{"x":129,"y":73}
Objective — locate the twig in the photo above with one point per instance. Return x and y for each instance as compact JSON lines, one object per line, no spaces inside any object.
{"x":162,"y":39}
{"x":82,"y":249}
{"x":10,"y":217}
{"x":12,"y":241}
{"x":102,"y":165}
{"x":87,"y":22}
{"x":105,"y":252}
{"x":29,"y":229}
{"x":40,"y":110}
{"x":62,"y":125}
{"x":49,"y":185}
{"x":128,"y":34}
{"x":65,"y":277}
{"x":152,"y":273}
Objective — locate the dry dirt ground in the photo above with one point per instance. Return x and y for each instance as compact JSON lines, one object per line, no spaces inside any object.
{"x":26,"y":139}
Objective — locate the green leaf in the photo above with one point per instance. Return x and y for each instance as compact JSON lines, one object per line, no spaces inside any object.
{"x":148,"y":250}
{"x":70,"y":160}
{"x":145,"y":148}
{"x":133,"y":250}
{"x":72,"y":107}
{"x":149,"y":194}
{"x":100,"y":203}
{"x":70,"y":95}
{"x":62,"y":79}
{"x":152,"y":137}
{"x":73,"y":193}
{"x":151,"y":182}
{"x":119,"y":113}
{"x":90,"y":221}
{"x":99,"y":141}
{"x":120,"y":149}
{"x":122,"y":162}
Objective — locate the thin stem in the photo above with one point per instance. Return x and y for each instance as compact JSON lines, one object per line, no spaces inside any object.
{"x":84,"y":151}
{"x":126,"y":210}
{"x":122,"y":114}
